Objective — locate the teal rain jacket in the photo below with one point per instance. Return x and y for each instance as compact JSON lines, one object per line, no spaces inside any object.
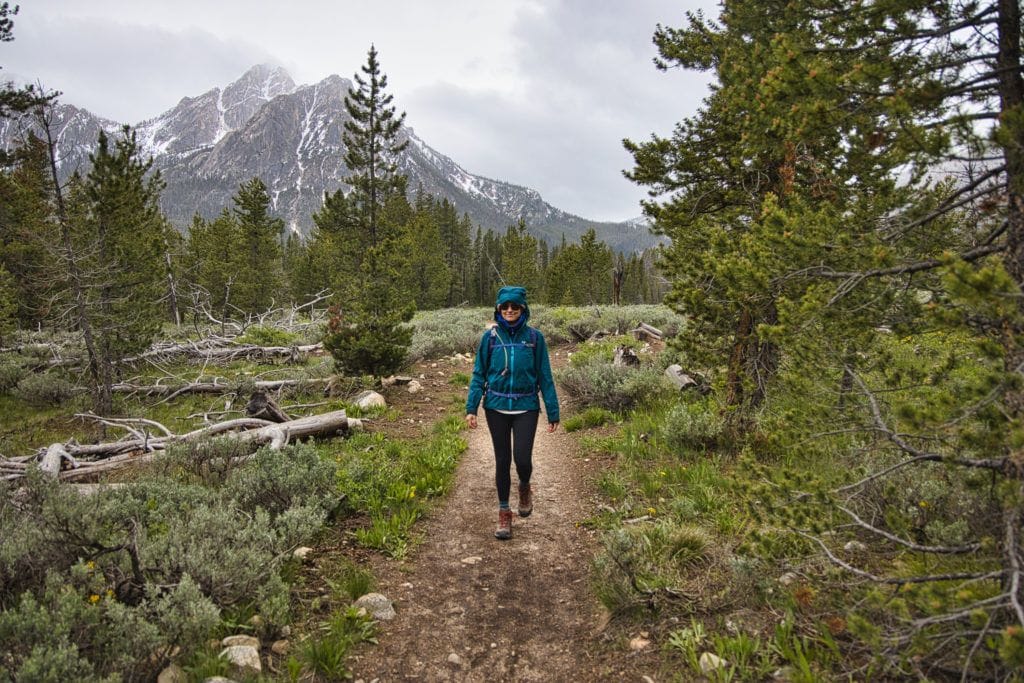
{"x":518,"y":366}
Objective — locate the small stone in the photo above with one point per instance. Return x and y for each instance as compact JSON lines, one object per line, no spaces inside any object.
{"x":855,"y":547}
{"x":245,"y":660}
{"x":172,"y":674}
{"x":648,"y":679}
{"x":377,"y":605}
{"x":494,"y":645}
{"x":280,"y":647}
{"x":433,"y":365}
{"x":301,"y":553}
{"x":370,"y":399}
{"x":241,"y":641}
{"x":407,"y":585}
{"x":455,"y":660}
{"x":414,"y":387}
{"x":638,"y":643}
{"x":711,"y":662}
{"x":471,"y":560}
{"x":787,"y":578}
{"x":286,"y":630}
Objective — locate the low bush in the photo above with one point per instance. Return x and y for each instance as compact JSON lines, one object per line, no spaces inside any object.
{"x":392,"y":481}
{"x":11,"y":372}
{"x":151,"y":565}
{"x":697,"y":425}
{"x":589,"y":418}
{"x":611,"y":387}
{"x":44,"y":389}
{"x":576,"y":323}
{"x":446,"y":332}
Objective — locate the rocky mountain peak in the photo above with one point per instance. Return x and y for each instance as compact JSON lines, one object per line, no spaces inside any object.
{"x":263,"y":125}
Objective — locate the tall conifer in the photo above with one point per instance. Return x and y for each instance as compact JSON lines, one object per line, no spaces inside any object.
{"x":368,"y":333}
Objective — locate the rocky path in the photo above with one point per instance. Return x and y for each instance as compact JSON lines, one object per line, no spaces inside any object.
{"x":472,"y":608}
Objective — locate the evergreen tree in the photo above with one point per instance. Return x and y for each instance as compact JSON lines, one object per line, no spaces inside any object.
{"x":26,"y":231}
{"x":808,"y":212}
{"x":430,"y":277}
{"x":520,"y":262}
{"x":211,"y":256}
{"x":368,"y":332}
{"x":119,"y":240}
{"x":595,"y":269}
{"x":8,"y":304}
{"x":259,"y":277}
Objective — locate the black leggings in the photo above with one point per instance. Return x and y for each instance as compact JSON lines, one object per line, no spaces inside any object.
{"x":512,"y":436}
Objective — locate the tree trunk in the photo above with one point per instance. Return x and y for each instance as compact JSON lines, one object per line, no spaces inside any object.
{"x":81,"y":310}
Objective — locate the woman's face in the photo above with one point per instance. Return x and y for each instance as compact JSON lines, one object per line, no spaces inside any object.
{"x":510,"y":312}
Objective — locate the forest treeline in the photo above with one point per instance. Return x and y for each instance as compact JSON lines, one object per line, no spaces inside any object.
{"x":245,"y":260}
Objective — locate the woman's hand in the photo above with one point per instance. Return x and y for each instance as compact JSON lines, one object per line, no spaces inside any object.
{"x":471,"y":421}
{"x":552,"y":426}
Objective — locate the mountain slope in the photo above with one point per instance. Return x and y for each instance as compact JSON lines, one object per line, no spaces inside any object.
{"x":289,"y":136}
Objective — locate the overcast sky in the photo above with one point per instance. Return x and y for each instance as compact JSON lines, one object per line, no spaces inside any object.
{"x":534,"y":92}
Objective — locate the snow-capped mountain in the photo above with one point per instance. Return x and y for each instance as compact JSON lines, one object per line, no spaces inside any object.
{"x":289,"y":136}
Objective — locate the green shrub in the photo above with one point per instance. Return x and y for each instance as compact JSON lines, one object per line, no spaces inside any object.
{"x":589,"y":418}
{"x":11,"y":372}
{"x":325,"y":654}
{"x":148,"y":566}
{"x":614,"y":388}
{"x":694,"y":426}
{"x":448,"y":331}
{"x":601,"y":351}
{"x":44,"y":390}
{"x":42,"y":635}
{"x":573,"y":324}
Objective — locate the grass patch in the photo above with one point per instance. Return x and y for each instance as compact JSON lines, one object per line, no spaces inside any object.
{"x":392,"y":481}
{"x":588,"y":419}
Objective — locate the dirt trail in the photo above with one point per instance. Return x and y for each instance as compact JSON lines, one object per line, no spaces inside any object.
{"x":472,"y":608}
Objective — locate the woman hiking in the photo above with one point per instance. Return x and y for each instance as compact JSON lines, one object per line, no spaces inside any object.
{"x":511,"y":367}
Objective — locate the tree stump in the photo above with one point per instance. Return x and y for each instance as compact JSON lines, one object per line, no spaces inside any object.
{"x":263,"y":407}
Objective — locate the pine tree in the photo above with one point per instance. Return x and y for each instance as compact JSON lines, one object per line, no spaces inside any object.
{"x":27,"y":231}
{"x":8,"y":304}
{"x":259,"y":279}
{"x":368,"y":333}
{"x":430,"y":276}
{"x":211,"y":257}
{"x":807,"y":211}
{"x":520,"y":262}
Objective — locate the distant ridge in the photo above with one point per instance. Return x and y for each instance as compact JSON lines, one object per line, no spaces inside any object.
{"x":289,"y":136}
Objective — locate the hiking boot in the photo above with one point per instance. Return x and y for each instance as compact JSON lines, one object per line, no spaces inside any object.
{"x":504,"y":530}
{"x":525,"y":501}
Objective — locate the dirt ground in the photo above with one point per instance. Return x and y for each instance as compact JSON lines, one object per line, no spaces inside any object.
{"x":473,"y":608}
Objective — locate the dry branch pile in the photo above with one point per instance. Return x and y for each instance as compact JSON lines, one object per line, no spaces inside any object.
{"x":75,"y":462}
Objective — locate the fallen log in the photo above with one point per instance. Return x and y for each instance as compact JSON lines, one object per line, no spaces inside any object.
{"x":684,"y":381}
{"x":645,"y":332}
{"x":130,"y":452}
{"x":226,"y":352}
{"x":625,"y":357}
{"x":215,"y":387}
{"x":263,"y":407}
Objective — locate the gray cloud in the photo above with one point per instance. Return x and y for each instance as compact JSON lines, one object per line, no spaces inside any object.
{"x":535,"y":93}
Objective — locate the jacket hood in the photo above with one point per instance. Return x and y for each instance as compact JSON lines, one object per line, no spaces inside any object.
{"x":516,"y":295}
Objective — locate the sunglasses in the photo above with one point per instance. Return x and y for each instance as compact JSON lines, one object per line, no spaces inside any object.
{"x":510,"y":307}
